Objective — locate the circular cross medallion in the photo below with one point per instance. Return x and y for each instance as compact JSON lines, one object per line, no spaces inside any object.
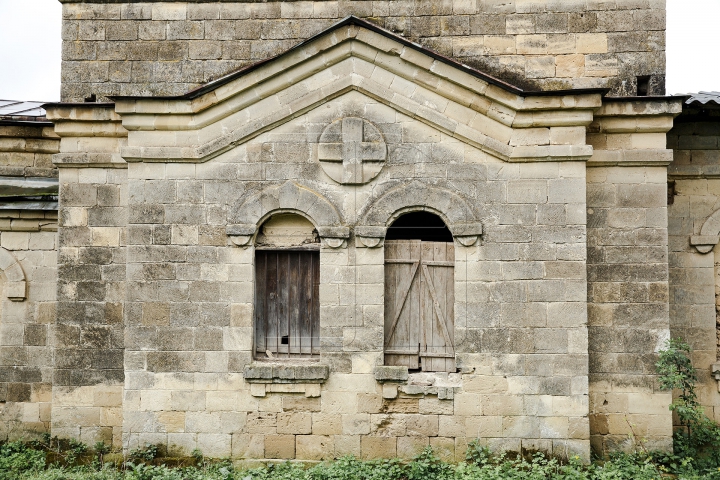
{"x":352,"y":151}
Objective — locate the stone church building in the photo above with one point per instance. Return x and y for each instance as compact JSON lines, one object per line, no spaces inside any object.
{"x":278,"y":230}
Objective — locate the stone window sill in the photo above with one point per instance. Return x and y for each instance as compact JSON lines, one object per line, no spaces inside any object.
{"x":280,"y":372}
{"x":398,"y":379}
{"x":276,"y":377}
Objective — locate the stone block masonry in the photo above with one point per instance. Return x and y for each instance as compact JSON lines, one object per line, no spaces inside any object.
{"x":628,"y":296}
{"x":28,"y":273}
{"x":695,"y":265}
{"x":169,"y":48}
{"x":204,"y":240}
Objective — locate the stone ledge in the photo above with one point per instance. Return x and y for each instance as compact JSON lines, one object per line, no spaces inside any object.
{"x":704,"y":243}
{"x":285,"y":373}
{"x":385,"y":374}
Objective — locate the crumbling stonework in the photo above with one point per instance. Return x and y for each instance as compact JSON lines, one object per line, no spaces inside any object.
{"x":169,"y":48}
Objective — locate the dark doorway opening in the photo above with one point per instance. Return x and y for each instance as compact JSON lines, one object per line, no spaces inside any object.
{"x":424,"y":226}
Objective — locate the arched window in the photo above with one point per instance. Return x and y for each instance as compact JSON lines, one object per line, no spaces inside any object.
{"x":419,"y":293}
{"x":287,"y":288}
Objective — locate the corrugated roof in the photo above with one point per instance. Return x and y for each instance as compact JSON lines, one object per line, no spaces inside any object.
{"x":704,"y":98}
{"x":19,"y":110}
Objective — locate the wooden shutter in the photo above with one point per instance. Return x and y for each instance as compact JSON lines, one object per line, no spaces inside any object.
{"x":287,"y":307}
{"x":419,"y":305}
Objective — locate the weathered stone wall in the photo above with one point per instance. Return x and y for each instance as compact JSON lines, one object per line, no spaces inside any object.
{"x":168,"y":48}
{"x":26,"y":150}
{"x":520,"y":323}
{"x":694,"y":259}
{"x":88,"y":362}
{"x":28,"y":261}
{"x":628,"y":274}
{"x":27,"y":317}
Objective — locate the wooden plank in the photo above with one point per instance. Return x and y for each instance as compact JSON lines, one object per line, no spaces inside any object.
{"x":294,"y":316}
{"x":438,"y":263}
{"x":305,"y":294}
{"x":271,"y":299}
{"x":451,"y":365}
{"x":414,"y":312}
{"x":401,"y":275}
{"x":283,"y":328}
{"x":444,"y":281}
{"x":260,"y":313}
{"x":314,"y":259}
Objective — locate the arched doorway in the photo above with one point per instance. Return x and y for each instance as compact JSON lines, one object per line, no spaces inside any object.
{"x":419,"y":293}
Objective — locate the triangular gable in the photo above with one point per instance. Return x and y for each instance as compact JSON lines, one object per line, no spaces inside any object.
{"x":355,"y":55}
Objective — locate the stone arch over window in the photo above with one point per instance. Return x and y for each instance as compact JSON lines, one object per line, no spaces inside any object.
{"x":709,"y":234}
{"x":15,"y":287}
{"x":290,"y":197}
{"x":450,"y":207}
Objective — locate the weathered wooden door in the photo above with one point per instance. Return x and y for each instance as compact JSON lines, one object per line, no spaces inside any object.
{"x":287,"y":307}
{"x":419,"y":301}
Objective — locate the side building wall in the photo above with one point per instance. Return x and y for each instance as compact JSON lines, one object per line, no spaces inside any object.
{"x":694,"y":195}
{"x":163,"y":48}
{"x":28,"y":260}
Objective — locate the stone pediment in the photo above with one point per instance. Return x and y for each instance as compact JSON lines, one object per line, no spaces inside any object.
{"x":499,"y":119}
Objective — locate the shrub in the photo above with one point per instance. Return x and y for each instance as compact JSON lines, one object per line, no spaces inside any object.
{"x":697,"y":443}
{"x":17,"y":458}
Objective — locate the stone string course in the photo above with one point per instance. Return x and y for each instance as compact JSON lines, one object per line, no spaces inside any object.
{"x":171,"y":48}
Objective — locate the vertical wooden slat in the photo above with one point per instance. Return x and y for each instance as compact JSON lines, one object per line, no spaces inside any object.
{"x":272,"y":303}
{"x":294,"y":301}
{"x":305,"y":302}
{"x":415,"y":313}
{"x":315,"y":269}
{"x":450,"y":364}
{"x":429,"y":342}
{"x":260,"y":304}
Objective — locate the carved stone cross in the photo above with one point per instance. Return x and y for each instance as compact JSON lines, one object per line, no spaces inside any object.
{"x":352,"y":151}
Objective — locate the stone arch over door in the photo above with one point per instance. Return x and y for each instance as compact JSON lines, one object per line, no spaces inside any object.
{"x":449,"y":206}
{"x":290,"y":197}
{"x":16,"y":286}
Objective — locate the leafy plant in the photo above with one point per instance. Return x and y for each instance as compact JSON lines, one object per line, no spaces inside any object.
{"x":17,"y":457}
{"x":148,"y":453}
{"x":697,"y":445}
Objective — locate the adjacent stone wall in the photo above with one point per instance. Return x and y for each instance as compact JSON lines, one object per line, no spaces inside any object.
{"x":167,"y":48}
{"x":694,"y":260}
{"x":28,"y":261}
{"x":27,"y":149}
{"x":628,"y":274}
{"x":27,"y":316}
